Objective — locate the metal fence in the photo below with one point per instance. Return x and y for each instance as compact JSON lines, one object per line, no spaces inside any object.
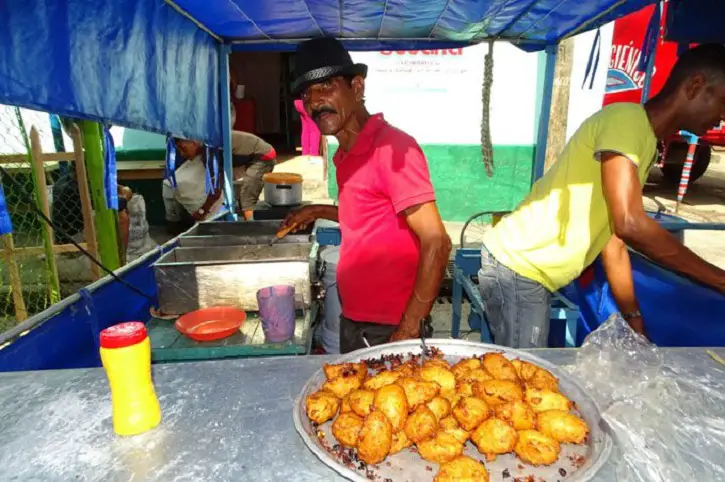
{"x":38,"y":266}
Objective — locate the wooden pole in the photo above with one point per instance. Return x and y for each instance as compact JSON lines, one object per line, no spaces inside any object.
{"x":41,"y":191}
{"x":16,"y":284}
{"x":89,"y":228}
{"x":105,"y":219}
{"x":559,"y":102}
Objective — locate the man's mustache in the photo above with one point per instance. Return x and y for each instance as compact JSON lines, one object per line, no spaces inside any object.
{"x":322,"y":110}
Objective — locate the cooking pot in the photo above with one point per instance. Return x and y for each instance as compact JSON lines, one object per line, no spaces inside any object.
{"x":282,"y":188}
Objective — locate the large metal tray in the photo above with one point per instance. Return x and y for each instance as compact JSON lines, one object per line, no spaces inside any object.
{"x":191,"y":278}
{"x":408,"y":466}
{"x":220,"y":233}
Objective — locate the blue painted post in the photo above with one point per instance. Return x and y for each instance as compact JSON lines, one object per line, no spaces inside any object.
{"x":544,"y":114}
{"x":224,"y":51}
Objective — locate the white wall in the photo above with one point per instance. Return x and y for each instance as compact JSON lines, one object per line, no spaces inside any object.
{"x":583,"y":102}
{"x":436,"y":98}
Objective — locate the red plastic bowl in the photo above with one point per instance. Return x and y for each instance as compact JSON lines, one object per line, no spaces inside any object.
{"x":209,"y":324}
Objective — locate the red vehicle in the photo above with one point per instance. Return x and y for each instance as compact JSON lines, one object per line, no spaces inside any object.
{"x":625,"y":81}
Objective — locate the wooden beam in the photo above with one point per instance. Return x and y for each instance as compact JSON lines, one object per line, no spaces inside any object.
{"x":559,"y":102}
{"x":43,"y":204}
{"x":51,"y":157}
{"x":16,"y":285}
{"x":57,"y":249}
{"x":89,"y":227}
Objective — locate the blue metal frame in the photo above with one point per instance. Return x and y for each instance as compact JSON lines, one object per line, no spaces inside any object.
{"x":226,"y":109}
{"x":544,"y":113}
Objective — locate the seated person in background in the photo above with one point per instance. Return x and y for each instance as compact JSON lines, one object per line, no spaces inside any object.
{"x":135,"y":237}
{"x":252,"y":158}
{"x":188,"y":202}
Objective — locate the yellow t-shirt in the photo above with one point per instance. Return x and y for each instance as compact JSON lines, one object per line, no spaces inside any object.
{"x":563,"y":224}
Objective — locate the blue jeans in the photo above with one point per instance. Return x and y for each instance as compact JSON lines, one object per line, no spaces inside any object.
{"x":517,"y":308}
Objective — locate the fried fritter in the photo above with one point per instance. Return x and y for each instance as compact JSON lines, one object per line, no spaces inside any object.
{"x":465,"y":389}
{"x":543,"y":380}
{"x":516,"y":413}
{"x":385,"y":377}
{"x":391,"y":400}
{"x":342,"y":385}
{"x":450,"y":425}
{"x":333,"y":371}
{"x":321,"y":406}
{"x":500,"y":367}
{"x":470,"y":412}
{"x":476,"y":375}
{"x":464,"y":366}
{"x":462,"y":469}
{"x":421,"y":424}
{"x":535,"y":448}
{"x":494,"y":437}
{"x":361,"y":401}
{"x":543,"y":400}
{"x":440,"y":449}
{"x":440,"y":407}
{"x":400,"y":442}
{"x":436,"y":362}
{"x":536,"y":377}
{"x":407,"y":369}
{"x":346,"y":429}
{"x":345,"y":406}
{"x":442,"y":376}
{"x":497,"y":392}
{"x":418,"y":392}
{"x":564,"y":427}
{"x":375,"y":438}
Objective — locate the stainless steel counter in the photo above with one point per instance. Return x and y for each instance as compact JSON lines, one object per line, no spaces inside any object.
{"x":223,"y":420}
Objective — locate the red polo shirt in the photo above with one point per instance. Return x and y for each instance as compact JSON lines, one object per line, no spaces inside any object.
{"x":383,"y":174}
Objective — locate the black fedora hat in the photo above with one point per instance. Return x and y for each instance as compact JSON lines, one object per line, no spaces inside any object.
{"x":321,"y":59}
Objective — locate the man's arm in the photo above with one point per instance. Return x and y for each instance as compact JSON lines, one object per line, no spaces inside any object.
{"x":435,"y":249}
{"x":615,"y":259}
{"x":623,"y":193}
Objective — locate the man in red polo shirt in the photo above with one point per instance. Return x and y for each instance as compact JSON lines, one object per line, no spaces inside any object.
{"x":394,"y":246}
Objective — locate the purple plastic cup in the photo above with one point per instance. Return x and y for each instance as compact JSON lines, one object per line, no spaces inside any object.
{"x":277,"y":311}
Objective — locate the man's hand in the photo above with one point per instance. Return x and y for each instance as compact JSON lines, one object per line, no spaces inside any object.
{"x":407,"y":330}
{"x":637,"y":324}
{"x":300,"y":218}
{"x":303,"y":217}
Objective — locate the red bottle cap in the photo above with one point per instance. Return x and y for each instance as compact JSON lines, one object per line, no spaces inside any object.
{"x":123,"y":334}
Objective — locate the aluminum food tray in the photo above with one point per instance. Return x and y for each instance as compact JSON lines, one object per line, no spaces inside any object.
{"x":408,"y":466}
{"x":220,"y":233}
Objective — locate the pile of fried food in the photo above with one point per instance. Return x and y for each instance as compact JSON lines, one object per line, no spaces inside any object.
{"x":500,"y":405}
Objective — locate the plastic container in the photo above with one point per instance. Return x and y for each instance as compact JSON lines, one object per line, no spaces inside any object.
{"x":277,"y":312}
{"x":209,"y":324}
{"x":126,"y":356}
{"x":332,"y":307}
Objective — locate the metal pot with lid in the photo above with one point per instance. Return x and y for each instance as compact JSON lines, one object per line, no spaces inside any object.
{"x":282,"y":188}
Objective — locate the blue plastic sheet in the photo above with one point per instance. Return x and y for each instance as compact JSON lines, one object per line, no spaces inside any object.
{"x":110,"y":178}
{"x":677,"y":312}
{"x":695,"y":21}
{"x":132,"y":63}
{"x":6,"y":225}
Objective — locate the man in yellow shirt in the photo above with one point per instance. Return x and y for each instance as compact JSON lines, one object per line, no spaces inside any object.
{"x":590,"y":203}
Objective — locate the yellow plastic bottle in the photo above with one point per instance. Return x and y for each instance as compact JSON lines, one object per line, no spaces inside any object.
{"x":126,"y":356}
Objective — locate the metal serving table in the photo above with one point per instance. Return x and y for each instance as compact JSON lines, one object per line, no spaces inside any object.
{"x":223,"y":420}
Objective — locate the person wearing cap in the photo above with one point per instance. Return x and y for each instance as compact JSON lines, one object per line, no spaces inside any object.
{"x":394,"y":246}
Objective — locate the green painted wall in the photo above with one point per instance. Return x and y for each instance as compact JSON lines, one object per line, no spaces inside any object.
{"x":461,"y":184}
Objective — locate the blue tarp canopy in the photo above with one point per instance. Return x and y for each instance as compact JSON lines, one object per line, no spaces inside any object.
{"x":154,"y":65}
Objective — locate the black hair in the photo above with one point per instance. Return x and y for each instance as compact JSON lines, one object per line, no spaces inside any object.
{"x":705,"y":59}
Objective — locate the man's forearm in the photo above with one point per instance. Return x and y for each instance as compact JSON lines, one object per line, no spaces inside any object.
{"x":326,"y":211}
{"x":434,"y":256}
{"x":650,"y":239}
{"x":618,"y":268}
